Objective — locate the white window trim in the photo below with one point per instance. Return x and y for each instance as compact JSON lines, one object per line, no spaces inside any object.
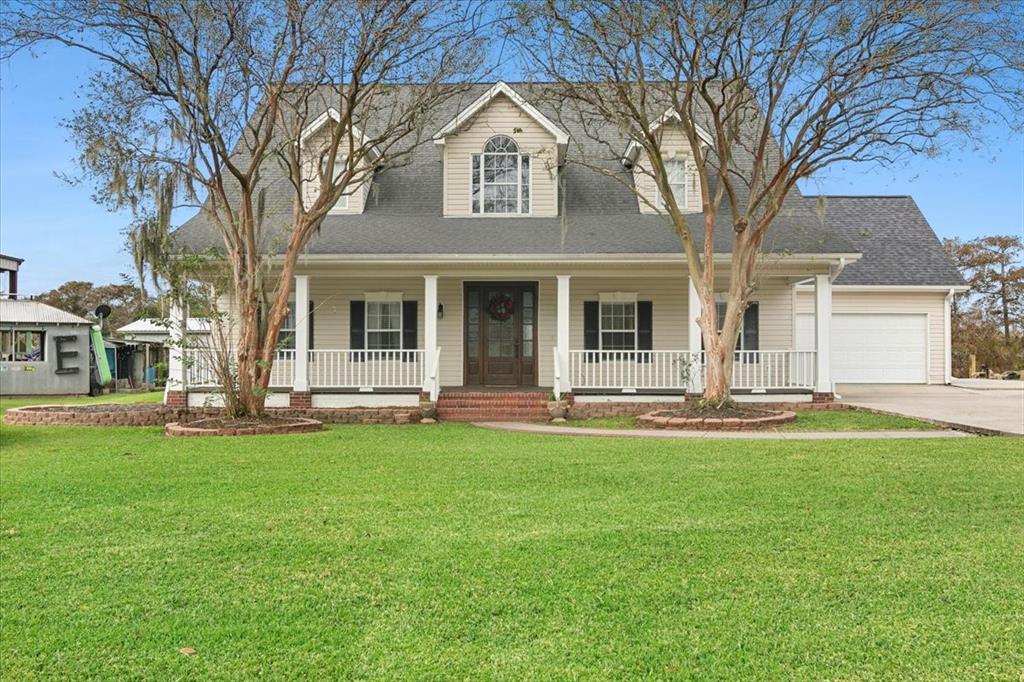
{"x":659,"y":198}
{"x":384,"y":297}
{"x":519,"y":182}
{"x":616,"y":297}
{"x":341,"y":205}
{"x":295,"y":321}
{"x":14,"y":344}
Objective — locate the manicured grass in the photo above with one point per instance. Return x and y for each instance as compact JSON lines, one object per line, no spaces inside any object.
{"x":453,"y":552}
{"x":808,"y":420}
{"x":150,"y":397}
{"x":854,"y":420}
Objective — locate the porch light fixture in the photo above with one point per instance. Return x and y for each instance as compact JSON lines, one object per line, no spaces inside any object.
{"x":440,"y":311}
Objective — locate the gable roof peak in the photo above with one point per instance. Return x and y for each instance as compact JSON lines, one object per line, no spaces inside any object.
{"x":500,"y":88}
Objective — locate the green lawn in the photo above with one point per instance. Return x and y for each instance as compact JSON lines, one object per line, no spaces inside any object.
{"x":150,"y":397}
{"x":824,"y":420}
{"x":453,"y":552}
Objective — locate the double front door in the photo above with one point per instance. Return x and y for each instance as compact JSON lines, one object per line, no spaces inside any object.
{"x":501,"y":334}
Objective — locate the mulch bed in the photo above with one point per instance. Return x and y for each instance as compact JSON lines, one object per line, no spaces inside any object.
{"x":221,"y":426}
{"x":730,"y":418}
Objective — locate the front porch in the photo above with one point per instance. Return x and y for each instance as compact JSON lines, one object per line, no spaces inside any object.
{"x":388,"y":338}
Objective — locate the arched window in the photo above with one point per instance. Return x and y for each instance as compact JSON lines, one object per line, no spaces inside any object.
{"x":501,"y":178}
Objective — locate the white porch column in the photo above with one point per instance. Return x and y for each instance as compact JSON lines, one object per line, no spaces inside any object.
{"x":562,"y":338}
{"x":175,"y":356}
{"x":693,"y":338}
{"x":822,"y":333}
{"x":300,"y":380}
{"x":429,"y":329}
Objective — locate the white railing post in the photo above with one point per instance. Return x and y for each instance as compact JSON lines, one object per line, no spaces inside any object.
{"x":435,"y":373}
{"x":558,"y":373}
{"x":300,"y":364}
{"x":693,"y":339}
{"x":822,"y":333}
{"x":430,"y":327}
{"x":562,"y":337}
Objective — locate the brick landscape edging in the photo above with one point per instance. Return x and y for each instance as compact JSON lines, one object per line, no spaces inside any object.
{"x":160,"y":415}
{"x":588,"y":410}
{"x":193,"y":429}
{"x":652,"y":420}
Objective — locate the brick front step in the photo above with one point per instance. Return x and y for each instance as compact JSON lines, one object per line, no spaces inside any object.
{"x":465,"y":406}
{"x":489,"y":416}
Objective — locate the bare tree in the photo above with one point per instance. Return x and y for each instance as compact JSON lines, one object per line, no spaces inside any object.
{"x":767,"y":93}
{"x":208,"y":100}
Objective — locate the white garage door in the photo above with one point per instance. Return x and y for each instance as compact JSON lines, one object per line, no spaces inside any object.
{"x":873,"y":349}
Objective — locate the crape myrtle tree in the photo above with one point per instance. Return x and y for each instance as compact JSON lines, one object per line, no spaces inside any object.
{"x":203,"y":103}
{"x":783,"y":89}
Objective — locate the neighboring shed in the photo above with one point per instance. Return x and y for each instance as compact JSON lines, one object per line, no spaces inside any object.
{"x":43,"y":350}
{"x":149,"y":336}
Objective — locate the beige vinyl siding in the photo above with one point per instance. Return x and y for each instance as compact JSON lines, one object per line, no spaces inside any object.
{"x":311,"y":177}
{"x":668,"y":297}
{"x":501,"y":117}
{"x":930,"y":303}
{"x":331,"y":299}
{"x":775,"y":315}
{"x":674,"y":146}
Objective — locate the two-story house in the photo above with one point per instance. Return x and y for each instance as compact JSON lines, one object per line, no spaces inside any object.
{"x":488,"y":262}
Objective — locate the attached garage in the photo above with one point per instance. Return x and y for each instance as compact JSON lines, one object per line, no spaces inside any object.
{"x":874,"y":348}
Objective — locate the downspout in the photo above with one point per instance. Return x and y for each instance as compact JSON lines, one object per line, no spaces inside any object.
{"x":839,"y":270}
{"x":947,"y":354}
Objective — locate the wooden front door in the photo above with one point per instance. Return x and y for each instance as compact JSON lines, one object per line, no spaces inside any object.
{"x":501,"y":334}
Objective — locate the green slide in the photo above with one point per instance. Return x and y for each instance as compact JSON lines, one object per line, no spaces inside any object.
{"x":102,"y":366}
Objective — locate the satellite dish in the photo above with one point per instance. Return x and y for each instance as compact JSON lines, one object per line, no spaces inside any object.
{"x":102,"y":311}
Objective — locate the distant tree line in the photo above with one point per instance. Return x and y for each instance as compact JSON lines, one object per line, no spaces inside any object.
{"x":988,"y":319}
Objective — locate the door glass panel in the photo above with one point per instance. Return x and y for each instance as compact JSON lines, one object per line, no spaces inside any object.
{"x":473,"y":323}
{"x":528,"y":319}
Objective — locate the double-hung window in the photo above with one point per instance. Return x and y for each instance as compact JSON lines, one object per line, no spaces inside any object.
{"x":617,"y":330}
{"x":340,"y":166}
{"x":21,"y":346}
{"x":286,"y":335}
{"x":676,"y":171}
{"x":501,"y":178}
{"x":383,"y":325}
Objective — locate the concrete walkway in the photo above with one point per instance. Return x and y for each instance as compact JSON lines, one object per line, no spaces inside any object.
{"x":989,"y":407}
{"x":551,"y":430}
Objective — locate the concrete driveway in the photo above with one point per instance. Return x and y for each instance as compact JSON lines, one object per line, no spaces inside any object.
{"x":990,"y":406}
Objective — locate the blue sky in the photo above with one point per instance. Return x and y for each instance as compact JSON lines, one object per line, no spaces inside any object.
{"x":63,"y":235}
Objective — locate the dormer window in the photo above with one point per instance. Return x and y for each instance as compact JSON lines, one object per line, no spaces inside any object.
{"x":501,"y":178}
{"x":340,"y":166}
{"x":676,"y":171}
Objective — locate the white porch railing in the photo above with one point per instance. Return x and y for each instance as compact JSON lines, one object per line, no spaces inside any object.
{"x":200,"y":367}
{"x":773,"y":369}
{"x":669,"y":370}
{"x":367,"y":369}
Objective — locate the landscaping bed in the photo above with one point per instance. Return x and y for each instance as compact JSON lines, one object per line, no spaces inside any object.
{"x":836,"y":420}
{"x":737,"y":417}
{"x":223,"y":426}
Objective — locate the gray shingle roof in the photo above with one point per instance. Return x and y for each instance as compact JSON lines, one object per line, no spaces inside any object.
{"x":898,"y":245}
{"x":600,"y":216}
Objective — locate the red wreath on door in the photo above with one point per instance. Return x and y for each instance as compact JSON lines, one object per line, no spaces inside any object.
{"x":501,"y":307}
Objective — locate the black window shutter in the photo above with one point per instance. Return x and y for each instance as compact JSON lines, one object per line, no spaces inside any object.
{"x":591,"y":330}
{"x":644,"y":329}
{"x":357,"y":328}
{"x":750,"y":327}
{"x":409,"y":340}
{"x":309,"y":322}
